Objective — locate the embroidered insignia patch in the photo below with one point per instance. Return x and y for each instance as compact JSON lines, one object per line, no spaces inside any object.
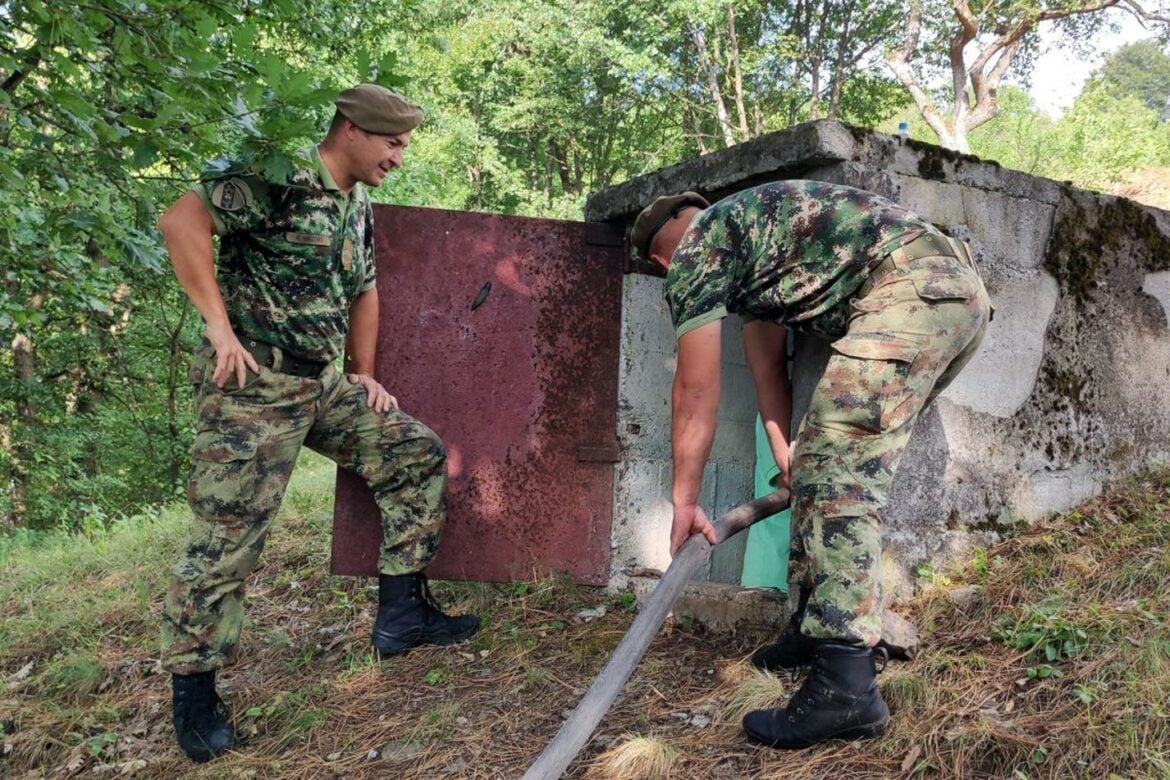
{"x":231,"y":195}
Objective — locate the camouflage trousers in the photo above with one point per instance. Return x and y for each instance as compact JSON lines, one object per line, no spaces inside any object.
{"x":245,"y":447}
{"x":907,"y":338}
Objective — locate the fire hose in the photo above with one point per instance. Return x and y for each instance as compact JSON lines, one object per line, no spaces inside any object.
{"x":579,"y":726}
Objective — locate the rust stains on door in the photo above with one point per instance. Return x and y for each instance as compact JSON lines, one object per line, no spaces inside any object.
{"x":501,"y":334}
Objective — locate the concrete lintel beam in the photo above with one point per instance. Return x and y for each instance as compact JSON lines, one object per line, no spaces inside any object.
{"x":784,"y":152}
{"x":800,"y":151}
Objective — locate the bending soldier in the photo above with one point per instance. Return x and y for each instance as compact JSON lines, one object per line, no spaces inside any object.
{"x":905,"y":309}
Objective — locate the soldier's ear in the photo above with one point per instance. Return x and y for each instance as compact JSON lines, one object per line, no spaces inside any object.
{"x":660,"y":259}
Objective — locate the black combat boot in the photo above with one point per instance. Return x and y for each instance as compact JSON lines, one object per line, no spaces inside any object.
{"x":793,"y":649}
{"x":839,"y":700}
{"x":408,"y":616}
{"x":200,"y":717}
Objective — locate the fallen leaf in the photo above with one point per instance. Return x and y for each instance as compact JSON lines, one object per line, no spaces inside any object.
{"x":591,"y":614}
{"x":911,"y":758}
{"x":132,"y":766}
{"x":22,"y":673}
{"x":400,"y":750}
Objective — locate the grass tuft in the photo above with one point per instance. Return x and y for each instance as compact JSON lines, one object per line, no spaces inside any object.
{"x":755,"y":690}
{"x":638,"y":758}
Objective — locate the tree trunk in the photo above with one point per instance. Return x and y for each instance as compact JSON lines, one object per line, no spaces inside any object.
{"x":696,"y":126}
{"x":708,"y":65}
{"x":10,"y":518}
{"x":816,"y":59}
{"x":737,"y":73}
{"x":533,"y":163}
{"x":24,"y":367}
{"x":985,"y":73}
{"x":558,"y":157}
{"x":898,"y":60}
{"x":843,"y":48}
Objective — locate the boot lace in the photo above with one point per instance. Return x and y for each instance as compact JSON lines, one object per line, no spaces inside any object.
{"x":424,"y":591}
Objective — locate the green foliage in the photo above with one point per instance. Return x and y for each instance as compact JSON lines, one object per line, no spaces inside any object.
{"x":525,"y":124}
{"x":108,"y":110}
{"x":626,"y":600}
{"x":1100,"y":137}
{"x":1139,"y":70}
{"x":75,"y":675}
{"x":1045,"y":633}
{"x":98,"y":744}
{"x":437,"y":676}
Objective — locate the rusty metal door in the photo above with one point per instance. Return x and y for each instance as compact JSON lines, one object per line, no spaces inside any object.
{"x":501,"y":334}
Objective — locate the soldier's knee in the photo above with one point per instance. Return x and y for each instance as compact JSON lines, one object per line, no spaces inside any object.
{"x":420,"y":446}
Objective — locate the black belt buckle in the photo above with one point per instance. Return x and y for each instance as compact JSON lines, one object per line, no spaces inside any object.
{"x":266,"y":356}
{"x":306,"y":369}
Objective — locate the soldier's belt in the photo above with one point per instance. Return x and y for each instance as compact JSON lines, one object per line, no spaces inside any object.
{"x":278,"y":360}
{"x":926,"y":245}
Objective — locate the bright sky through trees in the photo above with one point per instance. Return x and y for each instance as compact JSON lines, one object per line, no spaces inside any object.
{"x":1060,"y":73}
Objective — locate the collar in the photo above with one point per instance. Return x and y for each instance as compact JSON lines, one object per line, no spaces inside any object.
{"x":327,"y":179}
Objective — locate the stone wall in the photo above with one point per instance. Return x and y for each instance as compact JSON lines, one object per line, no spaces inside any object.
{"x":1070,"y":390}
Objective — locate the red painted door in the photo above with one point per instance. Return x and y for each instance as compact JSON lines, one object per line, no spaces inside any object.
{"x":501,"y":334}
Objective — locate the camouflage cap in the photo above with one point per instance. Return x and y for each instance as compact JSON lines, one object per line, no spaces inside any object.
{"x":378,"y":110}
{"x":654,"y":216}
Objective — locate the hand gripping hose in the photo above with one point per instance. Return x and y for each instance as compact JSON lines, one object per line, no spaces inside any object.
{"x":575,"y":731}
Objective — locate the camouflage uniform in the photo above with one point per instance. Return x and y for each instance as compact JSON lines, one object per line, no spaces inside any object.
{"x":905,"y":309}
{"x":294,"y":254}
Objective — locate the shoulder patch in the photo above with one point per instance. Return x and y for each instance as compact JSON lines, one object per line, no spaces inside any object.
{"x":232,"y":194}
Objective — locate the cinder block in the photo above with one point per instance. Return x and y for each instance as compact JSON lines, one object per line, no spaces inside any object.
{"x":722,"y":607}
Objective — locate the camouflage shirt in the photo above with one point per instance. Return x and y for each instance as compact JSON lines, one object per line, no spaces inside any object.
{"x":293,"y":254}
{"x":790,"y":252}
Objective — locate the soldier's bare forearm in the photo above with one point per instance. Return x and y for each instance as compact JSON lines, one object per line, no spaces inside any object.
{"x":692,"y":433}
{"x":765,"y":345}
{"x":361,"y":342}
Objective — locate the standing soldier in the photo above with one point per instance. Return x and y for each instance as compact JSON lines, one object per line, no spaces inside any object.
{"x":905,"y":309}
{"x":295,"y":286}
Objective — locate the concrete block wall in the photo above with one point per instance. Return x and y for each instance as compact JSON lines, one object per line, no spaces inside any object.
{"x":642,"y":508}
{"x":1070,"y":391}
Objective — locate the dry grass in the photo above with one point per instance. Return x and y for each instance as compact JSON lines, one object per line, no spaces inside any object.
{"x":637,"y":758}
{"x":1059,"y":668}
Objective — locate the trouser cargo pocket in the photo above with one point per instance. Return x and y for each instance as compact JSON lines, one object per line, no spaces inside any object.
{"x":222,"y":486}
{"x":872,"y":388}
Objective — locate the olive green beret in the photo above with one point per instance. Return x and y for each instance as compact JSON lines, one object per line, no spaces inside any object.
{"x":378,"y":110}
{"x":654,"y":216}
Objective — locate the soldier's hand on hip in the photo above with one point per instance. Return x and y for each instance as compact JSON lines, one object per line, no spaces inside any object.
{"x":230,"y":356}
{"x":377,"y":397}
{"x":690,"y":519}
